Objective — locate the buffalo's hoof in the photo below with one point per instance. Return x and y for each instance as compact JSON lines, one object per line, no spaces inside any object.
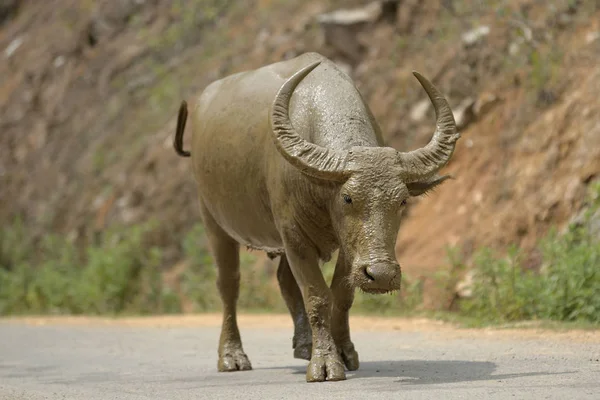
{"x":235,"y":361}
{"x":303,"y":351}
{"x":350,"y":356}
{"x":327,"y":367}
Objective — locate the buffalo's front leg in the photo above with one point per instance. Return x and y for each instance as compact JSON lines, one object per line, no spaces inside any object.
{"x":325,"y":362}
{"x":343,"y":296}
{"x":302,"y":342}
{"x":226,"y":254}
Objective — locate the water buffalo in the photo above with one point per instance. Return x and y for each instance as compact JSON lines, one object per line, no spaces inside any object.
{"x":289,"y":159}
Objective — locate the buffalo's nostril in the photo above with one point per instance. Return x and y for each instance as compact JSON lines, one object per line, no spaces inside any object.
{"x":369,"y":274}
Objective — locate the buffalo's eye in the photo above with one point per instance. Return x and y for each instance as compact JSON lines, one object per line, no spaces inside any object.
{"x":403,"y":202}
{"x":347,"y":199}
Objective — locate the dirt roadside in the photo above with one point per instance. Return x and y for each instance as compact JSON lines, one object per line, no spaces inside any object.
{"x":357,"y":323}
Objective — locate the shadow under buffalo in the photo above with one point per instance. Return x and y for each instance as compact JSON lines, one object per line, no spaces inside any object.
{"x":420,"y":372}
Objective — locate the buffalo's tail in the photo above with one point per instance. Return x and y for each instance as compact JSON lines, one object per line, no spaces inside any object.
{"x":181,"y":120}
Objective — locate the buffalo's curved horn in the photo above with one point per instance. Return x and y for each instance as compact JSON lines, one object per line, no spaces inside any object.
{"x":424,"y":162}
{"x":311,"y":159}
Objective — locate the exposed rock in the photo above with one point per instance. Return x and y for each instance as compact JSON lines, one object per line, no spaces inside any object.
{"x":419,"y":110}
{"x":514,"y":47}
{"x":475,"y":35}
{"x":592,"y":36}
{"x":469,"y":110}
{"x":13,"y":46}
{"x":342,"y":27}
{"x":352,"y":17}
{"x":464,"y":287}
{"x":463,"y":113}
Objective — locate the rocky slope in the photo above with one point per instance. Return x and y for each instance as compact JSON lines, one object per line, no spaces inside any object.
{"x":90,"y":89}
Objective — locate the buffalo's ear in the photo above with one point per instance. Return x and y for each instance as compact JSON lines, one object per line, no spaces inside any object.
{"x":422,"y":187}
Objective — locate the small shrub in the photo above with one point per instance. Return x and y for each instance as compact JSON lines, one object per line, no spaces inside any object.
{"x":259,"y":288}
{"x":502,"y":290}
{"x":571,"y":277}
{"x":200,"y":278}
{"x":15,"y":245}
{"x":122,"y":275}
{"x":119,"y":275}
{"x":567,"y":288}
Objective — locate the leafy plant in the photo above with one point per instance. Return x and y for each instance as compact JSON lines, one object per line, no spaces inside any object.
{"x":567,"y":288}
{"x":119,"y":274}
{"x":199,"y":279}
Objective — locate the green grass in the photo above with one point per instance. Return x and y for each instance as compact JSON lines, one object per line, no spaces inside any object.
{"x":566,"y":288}
{"x":121,"y":274}
{"x":259,"y":291}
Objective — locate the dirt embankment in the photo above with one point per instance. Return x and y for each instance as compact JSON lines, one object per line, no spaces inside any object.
{"x":89,"y":93}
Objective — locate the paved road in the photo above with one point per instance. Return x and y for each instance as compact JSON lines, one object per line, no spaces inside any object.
{"x":89,"y":362}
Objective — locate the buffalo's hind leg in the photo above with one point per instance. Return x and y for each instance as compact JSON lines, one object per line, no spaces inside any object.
{"x":302,"y":342}
{"x":225,"y":251}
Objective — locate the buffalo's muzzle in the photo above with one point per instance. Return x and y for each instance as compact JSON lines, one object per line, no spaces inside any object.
{"x":379,"y":277}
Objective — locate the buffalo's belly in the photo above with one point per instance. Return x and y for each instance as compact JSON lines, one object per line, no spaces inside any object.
{"x":247,"y":227}
{"x":238,"y":201}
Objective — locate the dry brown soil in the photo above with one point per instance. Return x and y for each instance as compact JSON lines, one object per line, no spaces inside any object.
{"x":89,"y":93}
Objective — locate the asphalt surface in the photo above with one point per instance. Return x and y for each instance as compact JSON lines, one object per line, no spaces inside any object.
{"x":61,"y":361}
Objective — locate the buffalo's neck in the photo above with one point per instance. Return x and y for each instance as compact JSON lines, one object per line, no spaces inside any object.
{"x":311,"y":214}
